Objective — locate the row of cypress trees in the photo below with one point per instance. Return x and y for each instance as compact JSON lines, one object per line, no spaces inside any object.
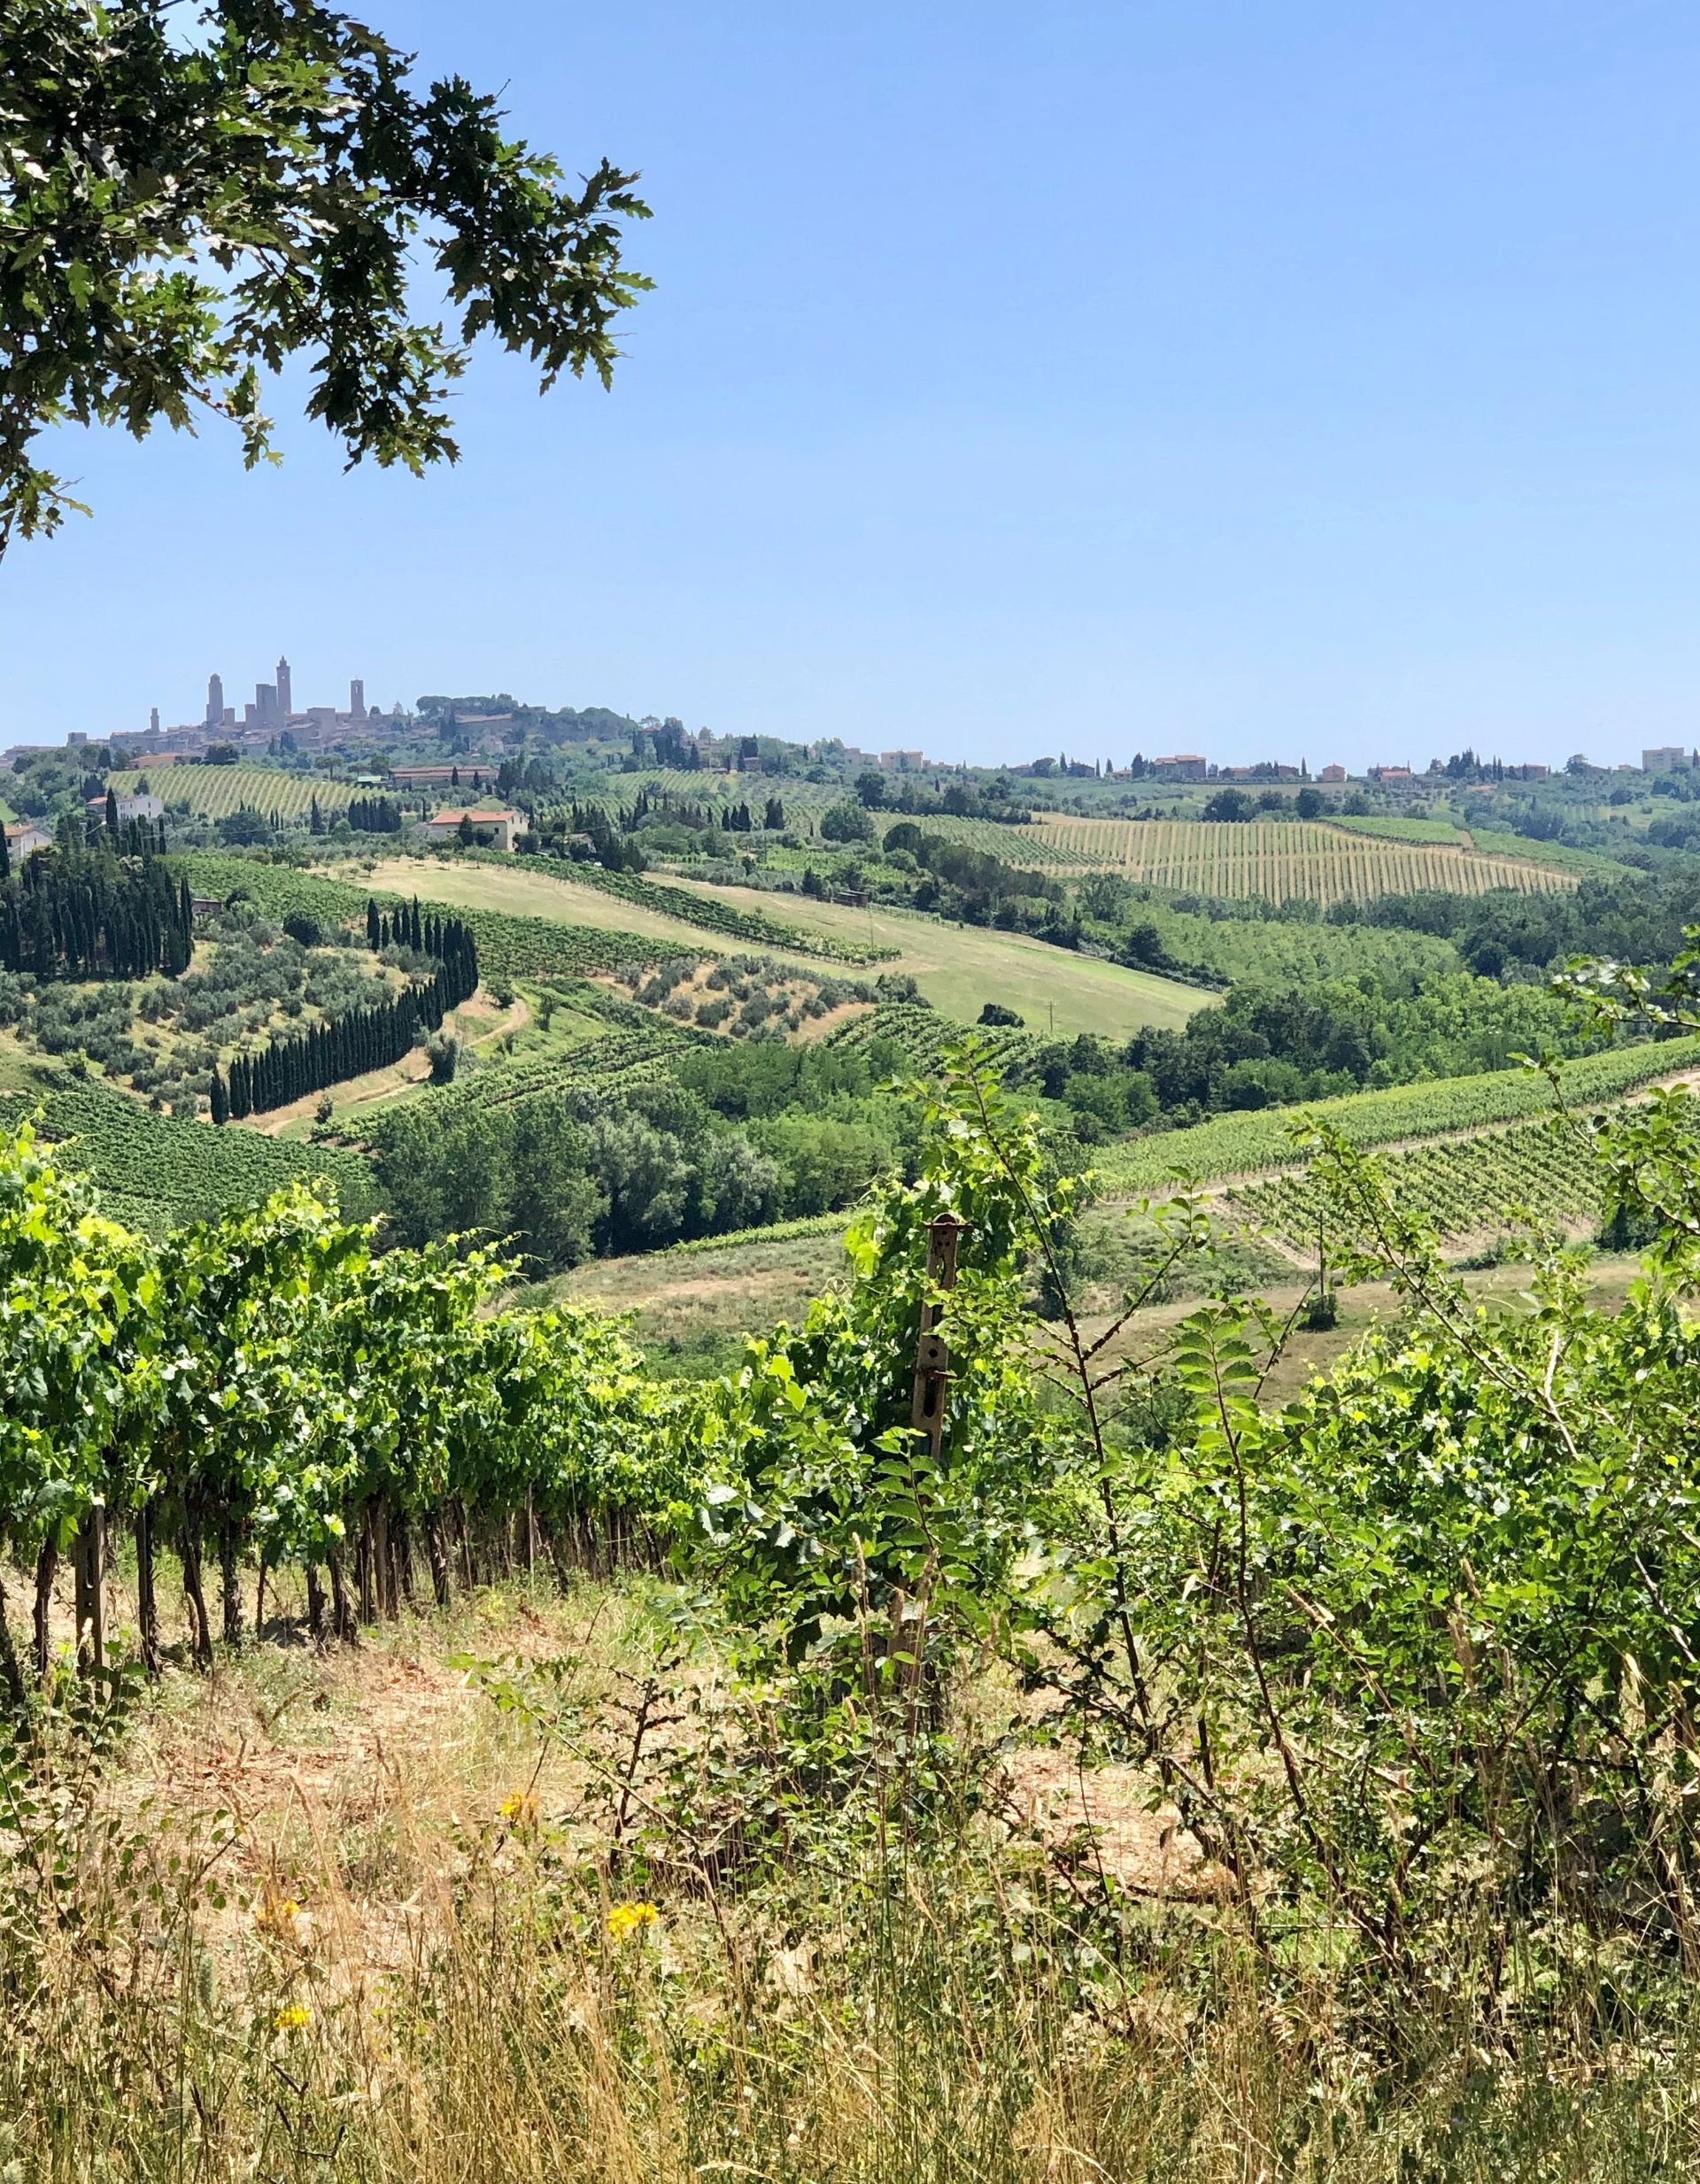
{"x":105,"y":909}
{"x":293,"y":1064}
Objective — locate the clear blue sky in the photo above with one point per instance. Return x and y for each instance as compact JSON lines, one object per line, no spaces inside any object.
{"x":1287,"y":379}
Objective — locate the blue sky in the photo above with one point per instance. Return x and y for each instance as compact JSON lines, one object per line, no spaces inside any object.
{"x":1288,"y":380}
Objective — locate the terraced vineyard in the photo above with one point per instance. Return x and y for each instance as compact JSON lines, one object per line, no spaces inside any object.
{"x":215,"y":791}
{"x":635,"y":1057}
{"x":1392,"y":829}
{"x":1045,"y":845}
{"x":1279,"y":860}
{"x":158,"y":1173}
{"x":1244,"y":1145}
{"x":1466,"y":1186}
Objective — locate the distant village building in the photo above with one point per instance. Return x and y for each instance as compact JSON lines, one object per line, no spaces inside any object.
{"x":1185,"y":766}
{"x":1331,"y":774}
{"x":501,"y":826}
{"x":1669,"y":758}
{"x":1393,"y":777}
{"x":129,"y":807}
{"x":902,"y":761}
{"x":24,"y":839}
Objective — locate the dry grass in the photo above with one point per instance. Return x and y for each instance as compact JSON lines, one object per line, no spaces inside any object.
{"x":338,"y":1916}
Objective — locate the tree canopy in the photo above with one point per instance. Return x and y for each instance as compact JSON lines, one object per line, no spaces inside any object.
{"x":181,"y":214}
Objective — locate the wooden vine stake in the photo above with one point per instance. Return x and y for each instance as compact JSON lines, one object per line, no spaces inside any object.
{"x":931,"y":1357}
{"x":90,"y":1570}
{"x":927,"y":1415}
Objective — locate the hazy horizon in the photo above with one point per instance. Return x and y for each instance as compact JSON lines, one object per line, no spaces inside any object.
{"x":1298,"y":386}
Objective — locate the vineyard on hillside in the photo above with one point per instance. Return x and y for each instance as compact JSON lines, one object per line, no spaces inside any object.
{"x":926,"y":1035}
{"x":156,"y":1172}
{"x":216,"y":792}
{"x":1243,"y":1145}
{"x":1465,"y":1186}
{"x":610,"y":1064}
{"x":1393,"y":830}
{"x":1276,"y":861}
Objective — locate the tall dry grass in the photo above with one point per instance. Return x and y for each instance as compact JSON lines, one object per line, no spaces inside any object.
{"x":336,"y":1917}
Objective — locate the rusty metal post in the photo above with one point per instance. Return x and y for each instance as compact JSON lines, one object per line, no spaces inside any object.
{"x":932,"y":1356}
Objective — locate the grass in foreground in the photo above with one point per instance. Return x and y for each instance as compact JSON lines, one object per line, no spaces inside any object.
{"x":338,"y":1916}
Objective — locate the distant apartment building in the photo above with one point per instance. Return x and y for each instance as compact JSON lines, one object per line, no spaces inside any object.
{"x":1185,"y":766}
{"x":501,"y":826}
{"x":1331,"y":774}
{"x":902,"y":761}
{"x":1669,"y":758}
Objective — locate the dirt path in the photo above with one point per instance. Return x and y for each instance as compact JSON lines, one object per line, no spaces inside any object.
{"x":478,"y":1023}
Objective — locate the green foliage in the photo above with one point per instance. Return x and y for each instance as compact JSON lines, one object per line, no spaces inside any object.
{"x":1488,"y":1182}
{"x":154,"y":1172}
{"x":1240,"y":1145}
{"x":265,"y":1381}
{"x":830,"y":1524}
{"x":181,"y":214}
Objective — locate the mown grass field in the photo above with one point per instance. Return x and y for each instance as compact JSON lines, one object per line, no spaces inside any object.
{"x":1277,"y":859}
{"x":536,"y":894}
{"x":690,"y":1307}
{"x":960,"y":968}
{"x":215,"y":791}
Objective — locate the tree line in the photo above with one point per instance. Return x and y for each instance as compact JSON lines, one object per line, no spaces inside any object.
{"x":101,"y":908}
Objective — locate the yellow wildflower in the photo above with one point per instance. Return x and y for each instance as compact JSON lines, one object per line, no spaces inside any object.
{"x":625,"y":1919}
{"x":276,"y":1913}
{"x":519,"y":1809}
{"x":292,"y":2018}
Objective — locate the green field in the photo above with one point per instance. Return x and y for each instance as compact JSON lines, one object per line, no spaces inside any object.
{"x":960,"y":968}
{"x":526,"y":892}
{"x":695,"y":1304}
{"x":215,"y":791}
{"x":1279,"y":860}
